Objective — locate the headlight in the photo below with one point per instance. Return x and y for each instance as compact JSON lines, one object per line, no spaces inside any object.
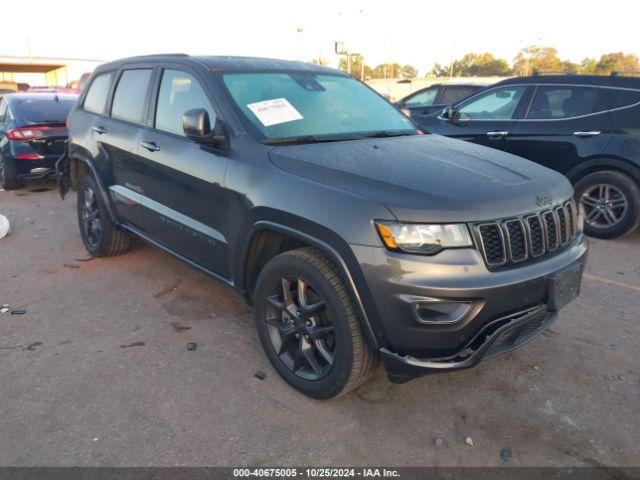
{"x":426,"y":239}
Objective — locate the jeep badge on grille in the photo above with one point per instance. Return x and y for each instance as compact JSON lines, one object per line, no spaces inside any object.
{"x":542,"y":201}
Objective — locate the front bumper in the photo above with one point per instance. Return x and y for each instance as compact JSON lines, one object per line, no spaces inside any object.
{"x":502,"y":311}
{"x":497,"y":337}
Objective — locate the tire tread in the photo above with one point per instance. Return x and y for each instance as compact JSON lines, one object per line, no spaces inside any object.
{"x":365,"y":359}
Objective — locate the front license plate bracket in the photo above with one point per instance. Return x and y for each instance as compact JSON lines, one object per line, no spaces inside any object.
{"x":564,"y":286}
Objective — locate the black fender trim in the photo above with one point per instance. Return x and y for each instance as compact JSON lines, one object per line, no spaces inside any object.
{"x":65,"y":172}
{"x":334,"y":254}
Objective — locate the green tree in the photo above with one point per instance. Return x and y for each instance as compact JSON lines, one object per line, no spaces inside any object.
{"x":387,"y":70}
{"x":617,"y":61}
{"x":473,"y":65}
{"x":356,"y":67}
{"x":588,"y":66}
{"x":408,"y":71}
{"x":439,"y":71}
{"x":536,"y":59}
{"x":320,"y":61}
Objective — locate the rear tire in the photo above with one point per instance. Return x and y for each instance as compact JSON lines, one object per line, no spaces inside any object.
{"x":316,"y":343}
{"x":8,"y":175}
{"x":101,"y":237}
{"x":611,"y":202}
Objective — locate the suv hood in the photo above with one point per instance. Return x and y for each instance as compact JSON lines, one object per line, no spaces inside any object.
{"x":429,"y":178}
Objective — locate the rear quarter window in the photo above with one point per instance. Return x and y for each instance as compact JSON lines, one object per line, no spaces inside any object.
{"x":96,"y":98}
{"x":556,"y":102}
{"x":618,"y":98}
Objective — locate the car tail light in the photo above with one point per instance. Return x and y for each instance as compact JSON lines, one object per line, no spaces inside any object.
{"x":29,"y":156}
{"x":32,"y":132}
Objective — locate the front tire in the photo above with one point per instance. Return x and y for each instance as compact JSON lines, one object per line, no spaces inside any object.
{"x":101,"y":237}
{"x":308,"y":327}
{"x":8,"y":175}
{"x":611,"y":203}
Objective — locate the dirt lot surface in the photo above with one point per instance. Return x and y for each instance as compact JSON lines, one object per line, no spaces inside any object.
{"x":97,"y":371}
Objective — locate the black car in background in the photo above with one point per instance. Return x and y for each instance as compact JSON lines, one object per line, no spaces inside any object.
{"x":434,"y":98}
{"x":32,"y":135}
{"x":584,"y":126}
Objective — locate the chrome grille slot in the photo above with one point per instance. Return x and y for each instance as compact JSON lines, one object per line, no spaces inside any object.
{"x":514,"y":240}
{"x":535,"y":234}
{"x":563,"y":224}
{"x":571,"y":211}
{"x":492,"y":243}
{"x":551,"y":230}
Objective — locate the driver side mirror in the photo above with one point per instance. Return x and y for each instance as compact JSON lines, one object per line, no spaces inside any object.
{"x":450,"y":113}
{"x":197,"y":128}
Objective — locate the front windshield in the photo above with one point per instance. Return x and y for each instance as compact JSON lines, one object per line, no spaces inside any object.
{"x":289,"y":105}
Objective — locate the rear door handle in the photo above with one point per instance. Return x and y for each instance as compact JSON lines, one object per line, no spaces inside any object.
{"x":590,"y":133}
{"x":498,"y":134}
{"x":151,"y":146}
{"x":99,"y":129}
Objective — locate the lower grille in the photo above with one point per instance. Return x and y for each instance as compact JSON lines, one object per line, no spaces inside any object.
{"x":515,"y":337}
{"x":515,"y":240}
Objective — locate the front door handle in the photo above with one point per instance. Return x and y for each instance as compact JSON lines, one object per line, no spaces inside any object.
{"x":498,"y":134}
{"x":589,"y":133}
{"x":99,"y":129}
{"x":151,"y":146}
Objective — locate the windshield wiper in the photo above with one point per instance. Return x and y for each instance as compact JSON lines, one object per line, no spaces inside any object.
{"x":334,"y":138}
{"x":387,"y":133}
{"x":309,"y":139}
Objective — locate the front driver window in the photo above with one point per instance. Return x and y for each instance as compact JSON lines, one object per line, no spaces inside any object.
{"x":497,"y":104}
{"x":180,"y":92}
{"x":422,"y":99}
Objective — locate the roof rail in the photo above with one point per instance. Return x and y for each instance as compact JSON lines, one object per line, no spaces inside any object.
{"x":625,"y":73}
{"x":157,"y":55}
{"x":540,"y":74}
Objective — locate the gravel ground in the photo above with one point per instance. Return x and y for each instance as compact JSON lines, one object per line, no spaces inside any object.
{"x":97,"y":371}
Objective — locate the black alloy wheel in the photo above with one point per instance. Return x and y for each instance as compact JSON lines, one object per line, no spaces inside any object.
{"x":610,"y":203}
{"x":308,"y":326}
{"x":90,"y":214}
{"x":299,"y":329}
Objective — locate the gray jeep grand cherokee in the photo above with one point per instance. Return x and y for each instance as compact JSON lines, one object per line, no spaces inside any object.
{"x":354,"y":235}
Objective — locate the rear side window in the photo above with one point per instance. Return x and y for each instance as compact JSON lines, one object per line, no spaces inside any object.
{"x":497,"y":104}
{"x":96,"y":98}
{"x":552,"y":102}
{"x":422,"y":99}
{"x":179,"y":92}
{"x":131,"y":95}
{"x":622,"y":98}
{"x":453,"y":94}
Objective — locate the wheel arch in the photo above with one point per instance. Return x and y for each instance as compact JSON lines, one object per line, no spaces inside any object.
{"x":80,"y":164}
{"x":262,"y":236}
{"x":601,"y":164}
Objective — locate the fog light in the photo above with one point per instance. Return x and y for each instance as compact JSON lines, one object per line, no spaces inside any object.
{"x":438,"y":312}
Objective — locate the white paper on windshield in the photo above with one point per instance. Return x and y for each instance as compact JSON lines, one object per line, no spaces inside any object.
{"x":273,"y":112}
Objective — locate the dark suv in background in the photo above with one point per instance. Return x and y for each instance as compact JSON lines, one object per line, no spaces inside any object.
{"x":584,"y":126}
{"x":354,"y":236}
{"x":434,"y":98}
